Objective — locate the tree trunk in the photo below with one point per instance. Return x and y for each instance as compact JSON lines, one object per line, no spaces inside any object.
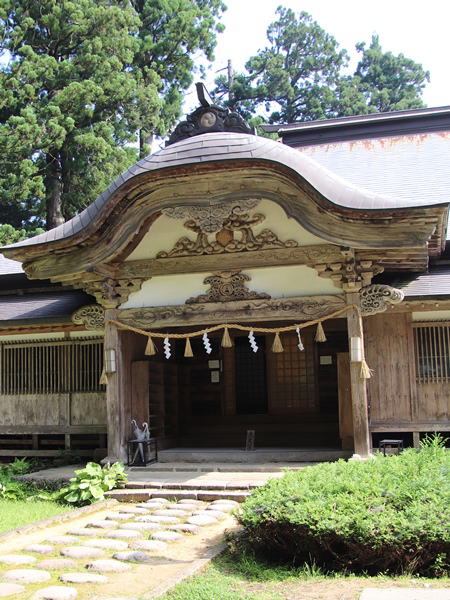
{"x":145,"y":143}
{"x":53,"y":189}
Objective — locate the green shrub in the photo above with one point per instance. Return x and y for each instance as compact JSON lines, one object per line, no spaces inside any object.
{"x":389,"y":514}
{"x":91,"y":483}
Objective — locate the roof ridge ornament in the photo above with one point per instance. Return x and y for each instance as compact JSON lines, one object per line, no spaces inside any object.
{"x":209,"y":118}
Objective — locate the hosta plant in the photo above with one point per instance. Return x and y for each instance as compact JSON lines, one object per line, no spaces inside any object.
{"x":91,"y":483}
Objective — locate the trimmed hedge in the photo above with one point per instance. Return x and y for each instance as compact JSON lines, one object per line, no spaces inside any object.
{"x":390,"y":514}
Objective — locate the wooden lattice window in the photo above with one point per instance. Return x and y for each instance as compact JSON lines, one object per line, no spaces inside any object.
{"x":51,"y":367}
{"x":432,"y":343}
{"x":293,"y":387}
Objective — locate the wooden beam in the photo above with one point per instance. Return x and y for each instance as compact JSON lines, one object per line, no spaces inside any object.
{"x":118,"y":388}
{"x":304,"y":308}
{"x":51,"y":429}
{"x":361,"y":434}
{"x":379,"y":427}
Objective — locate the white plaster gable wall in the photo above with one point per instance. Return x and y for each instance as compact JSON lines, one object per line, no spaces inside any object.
{"x":279,"y":282}
{"x":165,"y":231}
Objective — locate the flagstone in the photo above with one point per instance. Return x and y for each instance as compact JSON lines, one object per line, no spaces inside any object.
{"x":166,"y":536}
{"x":55,"y":564}
{"x":106,"y":524}
{"x":108,"y":566}
{"x":202,"y":520}
{"x":106,"y":543}
{"x":17,"y":559}
{"x":149,"y":545}
{"x":55,"y":592}
{"x":63,"y":539}
{"x":26,"y":576}
{"x":123,"y":534}
{"x":83,"y":578}
{"x":10,"y":589}
{"x":40,"y":548}
{"x":132,"y":556}
{"x":82,"y":552}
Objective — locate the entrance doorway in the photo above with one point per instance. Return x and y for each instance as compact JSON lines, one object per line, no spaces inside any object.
{"x":250,"y":377}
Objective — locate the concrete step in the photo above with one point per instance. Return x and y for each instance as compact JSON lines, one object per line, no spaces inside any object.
{"x":261,"y":455}
{"x":143,"y":494}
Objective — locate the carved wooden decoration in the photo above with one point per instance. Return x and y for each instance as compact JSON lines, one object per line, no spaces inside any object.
{"x":350,"y":274}
{"x":92,"y":316}
{"x":303,"y":308}
{"x":375,"y":298}
{"x":225,"y":287}
{"x":111,"y":293}
{"x":231,"y":225}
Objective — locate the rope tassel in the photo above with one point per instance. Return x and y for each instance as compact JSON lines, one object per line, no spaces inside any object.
{"x":366,"y":372}
{"x":150,"y":349}
{"x":188,"y":349}
{"x":320,"y":333}
{"x":103,"y":379}
{"x":277,"y":346}
{"x":226,"y":340}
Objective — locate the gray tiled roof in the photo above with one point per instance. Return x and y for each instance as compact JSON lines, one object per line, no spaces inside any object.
{"x":41,"y":306}
{"x":9,"y":267}
{"x":414,"y":166}
{"x":218,"y":147}
{"x":434,"y":283}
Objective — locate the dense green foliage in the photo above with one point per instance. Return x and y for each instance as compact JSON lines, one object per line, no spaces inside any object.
{"x":91,"y":483}
{"x":79,"y":82}
{"x":389,"y":514}
{"x":300,"y":76}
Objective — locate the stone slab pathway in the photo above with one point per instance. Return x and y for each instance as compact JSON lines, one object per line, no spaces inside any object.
{"x":112,"y":553}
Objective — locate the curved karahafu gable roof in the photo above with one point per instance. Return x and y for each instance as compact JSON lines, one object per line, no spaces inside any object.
{"x":257,"y":158}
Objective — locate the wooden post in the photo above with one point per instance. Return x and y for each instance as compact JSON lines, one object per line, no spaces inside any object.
{"x":116,"y":392}
{"x":361,"y":432}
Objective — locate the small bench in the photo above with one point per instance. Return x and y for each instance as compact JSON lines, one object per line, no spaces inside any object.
{"x":398,"y":444}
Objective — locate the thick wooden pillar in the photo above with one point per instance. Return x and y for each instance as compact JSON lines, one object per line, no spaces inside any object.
{"x":118,"y":390}
{"x":361,"y":431}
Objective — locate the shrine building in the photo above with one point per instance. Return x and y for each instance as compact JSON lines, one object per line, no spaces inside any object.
{"x":298,"y":288}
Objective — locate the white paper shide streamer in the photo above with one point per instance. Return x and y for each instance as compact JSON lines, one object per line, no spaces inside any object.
{"x":167,"y":350}
{"x":206,"y":343}
{"x":251,"y":339}
{"x":300,"y":345}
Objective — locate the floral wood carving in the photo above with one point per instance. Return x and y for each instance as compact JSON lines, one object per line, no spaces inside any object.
{"x":225,"y":287}
{"x":92,"y":316}
{"x":236,"y":235}
{"x":375,"y":298}
{"x":210,"y":219}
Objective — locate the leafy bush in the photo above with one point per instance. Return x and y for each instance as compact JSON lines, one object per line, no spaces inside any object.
{"x":91,"y":483}
{"x":389,"y":514}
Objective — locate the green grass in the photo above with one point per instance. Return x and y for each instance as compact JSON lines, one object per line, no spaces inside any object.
{"x":240,"y":576}
{"x":15,"y":513}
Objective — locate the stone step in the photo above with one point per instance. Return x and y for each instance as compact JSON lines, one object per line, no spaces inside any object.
{"x":261,"y":455}
{"x":207,"y":495}
{"x":230,"y":467}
